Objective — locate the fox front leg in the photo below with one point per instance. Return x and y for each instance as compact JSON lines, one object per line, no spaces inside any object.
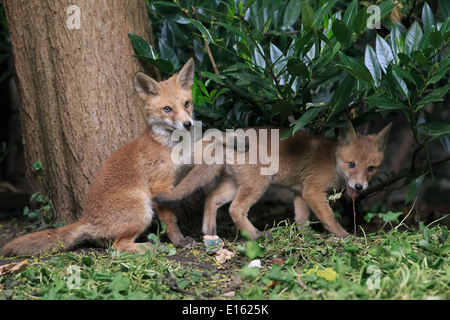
{"x":317,"y":201}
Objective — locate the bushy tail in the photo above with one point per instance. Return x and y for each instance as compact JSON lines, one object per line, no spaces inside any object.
{"x":198,"y":177}
{"x":57,"y":240}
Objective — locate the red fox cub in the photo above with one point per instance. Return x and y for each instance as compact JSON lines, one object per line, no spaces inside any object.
{"x":119,"y":203}
{"x":310,"y":166}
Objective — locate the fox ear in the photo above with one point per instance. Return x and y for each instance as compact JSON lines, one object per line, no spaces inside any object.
{"x":382,"y":137}
{"x":146,"y":86}
{"x":347,"y":135}
{"x":185,"y":78}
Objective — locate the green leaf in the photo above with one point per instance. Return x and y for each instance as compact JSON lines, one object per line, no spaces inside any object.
{"x":440,"y":71}
{"x":202,"y":29}
{"x":391,"y":216}
{"x":427,"y":17}
{"x":292,"y":13}
{"x":37,"y":166}
{"x":402,"y":73}
{"x":244,"y":49}
{"x":235,"y":31}
{"x":343,"y":95}
{"x":253,"y":250}
{"x":384,"y":102}
{"x":413,"y":38}
{"x":436,"y":129}
{"x":340,"y":31}
{"x":404,"y":58}
{"x":283,"y":108}
{"x":120,"y":283}
{"x":360,"y":21}
{"x":350,"y":13}
{"x":371,"y":61}
{"x":413,"y":186}
{"x":141,"y":46}
{"x":351,"y":248}
{"x":358,"y":74}
{"x":251,"y":273}
{"x":444,"y":7}
{"x":163,"y":65}
{"x":436,"y":39}
{"x":323,"y":10}
{"x":306,"y":118}
{"x":435,"y":96}
{"x":168,"y":53}
{"x":296,"y":67}
{"x":400,"y":84}
{"x":259,"y":58}
{"x":384,"y":53}
{"x":307,"y":16}
{"x":351,"y":68}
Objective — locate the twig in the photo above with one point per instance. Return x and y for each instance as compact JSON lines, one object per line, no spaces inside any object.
{"x":211,"y":58}
{"x":354,"y":218}
{"x":401,"y":175}
{"x":208,"y":49}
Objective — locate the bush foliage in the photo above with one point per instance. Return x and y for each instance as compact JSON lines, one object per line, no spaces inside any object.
{"x":302,"y":64}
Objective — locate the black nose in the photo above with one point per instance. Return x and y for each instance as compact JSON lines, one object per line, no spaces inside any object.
{"x":358,"y":187}
{"x":187,"y":125}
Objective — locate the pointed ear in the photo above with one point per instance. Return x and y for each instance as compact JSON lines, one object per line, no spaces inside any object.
{"x":185,"y":78}
{"x":382,"y":137}
{"x":347,"y":135}
{"x":146,"y":86}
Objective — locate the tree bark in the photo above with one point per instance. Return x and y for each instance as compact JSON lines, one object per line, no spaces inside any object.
{"x":76,"y":93}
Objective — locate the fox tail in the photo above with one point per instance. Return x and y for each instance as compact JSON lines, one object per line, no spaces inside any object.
{"x":56,"y":240}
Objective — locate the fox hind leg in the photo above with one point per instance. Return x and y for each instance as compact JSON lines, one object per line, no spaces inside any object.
{"x":246,"y":196}
{"x":302,"y":212}
{"x":223,"y":194}
{"x":131,"y":223}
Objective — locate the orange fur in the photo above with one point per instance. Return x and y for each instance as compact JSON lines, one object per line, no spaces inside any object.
{"x":310,"y":166}
{"x":119,"y":206}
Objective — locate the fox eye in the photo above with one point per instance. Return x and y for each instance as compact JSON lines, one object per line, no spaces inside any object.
{"x":187,"y":104}
{"x":351,"y":165}
{"x":167,"y":109}
{"x":371,"y":168}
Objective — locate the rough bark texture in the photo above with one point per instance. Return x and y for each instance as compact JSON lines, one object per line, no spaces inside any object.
{"x":77,"y":100}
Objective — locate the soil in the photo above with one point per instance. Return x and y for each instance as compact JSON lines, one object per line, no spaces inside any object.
{"x":264,"y":214}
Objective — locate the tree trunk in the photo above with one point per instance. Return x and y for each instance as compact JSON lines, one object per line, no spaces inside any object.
{"x":75,"y":79}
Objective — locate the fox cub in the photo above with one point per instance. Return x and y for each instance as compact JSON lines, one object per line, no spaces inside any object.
{"x":310,"y":166}
{"x":119,"y":203}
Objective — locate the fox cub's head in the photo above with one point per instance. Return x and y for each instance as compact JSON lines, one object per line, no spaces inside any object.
{"x":359,"y":156}
{"x":168,"y":104}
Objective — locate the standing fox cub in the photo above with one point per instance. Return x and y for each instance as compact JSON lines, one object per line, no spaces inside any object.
{"x":119,"y":206}
{"x":309,"y":166}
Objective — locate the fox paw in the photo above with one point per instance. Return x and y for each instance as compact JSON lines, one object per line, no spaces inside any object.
{"x":185,"y":243}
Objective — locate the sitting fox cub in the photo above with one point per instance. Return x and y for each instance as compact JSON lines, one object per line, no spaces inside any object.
{"x":309,"y":166}
{"x":119,"y":206}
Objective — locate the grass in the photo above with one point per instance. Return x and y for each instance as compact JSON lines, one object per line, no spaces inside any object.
{"x":409,"y":264}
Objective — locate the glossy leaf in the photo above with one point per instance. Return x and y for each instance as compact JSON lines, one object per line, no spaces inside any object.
{"x":307,"y":16}
{"x":141,"y":46}
{"x":202,"y":29}
{"x":383,"y":52}
{"x":292,"y":13}
{"x":360,"y":21}
{"x":163,"y":65}
{"x":427,"y":17}
{"x":413,"y":38}
{"x":436,"y":39}
{"x":371,"y":61}
{"x":340,"y":31}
